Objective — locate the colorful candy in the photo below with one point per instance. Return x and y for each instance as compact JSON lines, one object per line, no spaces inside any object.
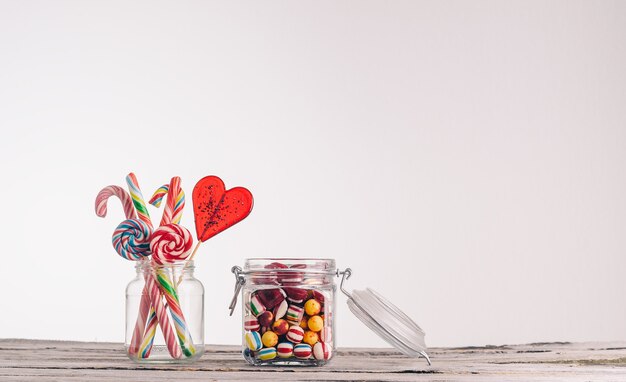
{"x":296,"y":295}
{"x":253,"y":341}
{"x":267,"y":354}
{"x":131,"y":239}
{"x":256,"y":307}
{"x":280,"y":327}
{"x":310,"y":337}
{"x":292,"y":277}
{"x":173,"y":212}
{"x":270,"y":297}
{"x":281,"y":309}
{"x":294,"y":314}
{"x":170,"y":243}
{"x":251,"y":323}
{"x":302,"y":351}
{"x":284,"y":349}
{"x":315,"y":323}
{"x":295,"y":334}
{"x":322,"y":351}
{"x":312,"y":307}
{"x":216,"y":209}
{"x":269,"y":339}
{"x":266,"y":318}
{"x":104,"y":195}
{"x":326,"y":334}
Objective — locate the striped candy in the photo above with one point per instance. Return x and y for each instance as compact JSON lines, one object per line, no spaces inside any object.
{"x":170,"y":243}
{"x":322,"y":351}
{"x":164,"y":321}
{"x":253,"y":341}
{"x":131,"y":239}
{"x":255,"y":306}
{"x":104,"y":195}
{"x":294,"y":314}
{"x":251,"y":323}
{"x":150,"y":331}
{"x":173,"y":211}
{"x":296,"y":295}
{"x":326,"y":334}
{"x":295,"y":334}
{"x":284,"y":349}
{"x":302,"y":351}
{"x":267,"y":353}
{"x":281,"y":309}
{"x":137,"y":197}
{"x":182,"y":332}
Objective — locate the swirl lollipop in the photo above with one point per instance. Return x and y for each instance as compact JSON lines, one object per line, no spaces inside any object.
{"x":131,"y":239}
{"x":170,"y":243}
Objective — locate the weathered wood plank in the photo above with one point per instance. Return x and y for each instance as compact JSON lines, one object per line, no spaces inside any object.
{"x":27,"y":360}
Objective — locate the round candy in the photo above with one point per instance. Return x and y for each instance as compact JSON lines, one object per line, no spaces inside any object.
{"x":304,"y":324}
{"x":295,"y":334}
{"x":281,"y":309}
{"x":280,"y":327}
{"x":266,"y":354}
{"x":322,"y":351}
{"x":294,"y":314}
{"x":312,"y":307}
{"x":316,"y":323}
{"x":319,"y":296}
{"x":310,"y":338}
{"x":292,"y":277}
{"x":251,"y":323}
{"x":326,"y":334}
{"x":269,"y":339}
{"x":131,"y":239}
{"x":170,"y":243}
{"x":284,"y":349}
{"x":270,"y":277}
{"x":271,"y":297}
{"x":255,"y":306}
{"x":302,"y":351}
{"x":266,"y":318}
{"x":296,"y":295}
{"x":253,"y":340}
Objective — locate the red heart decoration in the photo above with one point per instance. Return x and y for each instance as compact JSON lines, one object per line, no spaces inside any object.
{"x":216,"y":209}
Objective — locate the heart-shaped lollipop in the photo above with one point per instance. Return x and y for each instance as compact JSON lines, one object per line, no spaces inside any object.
{"x":215,"y":208}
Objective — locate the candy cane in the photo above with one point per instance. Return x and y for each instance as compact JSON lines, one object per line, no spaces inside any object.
{"x":101,"y":210}
{"x":172,"y":214}
{"x":150,"y":301}
{"x":104,"y":195}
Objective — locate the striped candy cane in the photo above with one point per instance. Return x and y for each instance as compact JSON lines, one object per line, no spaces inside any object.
{"x":151,"y":297}
{"x":129,"y":211}
{"x":172,"y":214}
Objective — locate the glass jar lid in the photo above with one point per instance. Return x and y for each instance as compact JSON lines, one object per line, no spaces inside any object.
{"x":386,"y":320}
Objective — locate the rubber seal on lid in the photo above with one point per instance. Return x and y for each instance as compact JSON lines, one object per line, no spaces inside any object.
{"x":386,"y":320}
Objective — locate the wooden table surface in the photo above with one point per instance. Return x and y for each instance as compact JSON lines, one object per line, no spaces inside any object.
{"x":30,"y":360}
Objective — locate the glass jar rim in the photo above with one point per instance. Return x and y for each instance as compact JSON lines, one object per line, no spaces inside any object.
{"x":147,"y":263}
{"x":292,"y":264}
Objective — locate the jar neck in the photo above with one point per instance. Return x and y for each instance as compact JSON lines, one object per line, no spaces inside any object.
{"x":178,"y":267}
{"x":289,"y":271}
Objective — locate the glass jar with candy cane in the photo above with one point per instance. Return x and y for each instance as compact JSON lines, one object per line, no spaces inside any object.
{"x":173,"y":331}
{"x":289,"y":312}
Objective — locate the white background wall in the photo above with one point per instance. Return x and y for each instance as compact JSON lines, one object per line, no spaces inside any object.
{"x":466,"y":159}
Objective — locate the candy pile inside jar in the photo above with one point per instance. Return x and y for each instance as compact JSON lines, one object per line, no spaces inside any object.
{"x":287,"y":317}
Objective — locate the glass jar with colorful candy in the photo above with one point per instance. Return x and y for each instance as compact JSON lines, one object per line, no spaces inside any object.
{"x":288,"y":308}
